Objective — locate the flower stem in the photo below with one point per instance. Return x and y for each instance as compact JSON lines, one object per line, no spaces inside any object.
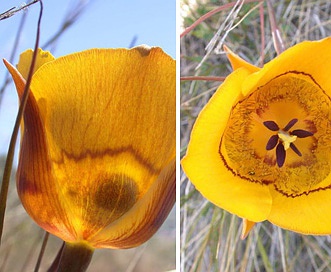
{"x":75,"y":257}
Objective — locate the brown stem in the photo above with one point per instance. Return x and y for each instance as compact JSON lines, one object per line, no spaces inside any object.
{"x":73,"y":257}
{"x":206,"y":78}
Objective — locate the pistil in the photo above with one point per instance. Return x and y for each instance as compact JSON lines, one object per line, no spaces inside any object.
{"x":286,"y":138}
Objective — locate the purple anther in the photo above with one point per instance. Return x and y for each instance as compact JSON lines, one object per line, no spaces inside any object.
{"x":271,"y":125}
{"x":290,"y":124}
{"x":273,"y":140}
{"x":300,"y":133}
{"x":280,"y":155}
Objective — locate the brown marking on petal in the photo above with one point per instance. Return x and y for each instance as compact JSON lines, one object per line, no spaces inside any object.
{"x":261,"y":181}
{"x":302,"y":73}
{"x":260,"y":111}
{"x":310,"y":126}
{"x":111,"y":153}
{"x":102,"y":201}
{"x":294,"y":195}
{"x":164,"y":195}
{"x":117,"y":194}
{"x":269,"y":160}
{"x":25,"y":186}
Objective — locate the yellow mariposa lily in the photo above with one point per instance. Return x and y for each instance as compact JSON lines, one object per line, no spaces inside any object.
{"x":97,"y":157}
{"x":261,"y":147}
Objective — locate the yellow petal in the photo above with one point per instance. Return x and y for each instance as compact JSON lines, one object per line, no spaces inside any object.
{"x":307,"y":58}
{"x":146,"y":216}
{"x":205,"y":167}
{"x":306,"y":213}
{"x":124,"y":105}
{"x":35,"y":177}
{"x":238,"y":62}
{"x":247,"y":227}
{"x":25,"y":61}
{"x":107,"y":118}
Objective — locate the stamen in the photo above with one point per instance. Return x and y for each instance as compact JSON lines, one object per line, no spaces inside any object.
{"x":280,"y":155}
{"x":272,"y":142}
{"x":295,"y":149}
{"x":271,"y":125}
{"x":300,"y":133}
{"x":290,"y":124}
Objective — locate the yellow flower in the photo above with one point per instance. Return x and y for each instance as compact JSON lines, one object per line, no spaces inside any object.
{"x":261,"y":147}
{"x":97,"y":157}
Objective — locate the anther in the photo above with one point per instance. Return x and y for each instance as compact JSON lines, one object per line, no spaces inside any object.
{"x":290,"y":124}
{"x":271,"y":125}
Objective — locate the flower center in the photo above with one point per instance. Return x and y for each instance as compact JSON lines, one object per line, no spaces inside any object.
{"x":287,"y":139}
{"x":280,"y":134}
{"x":284,"y":139}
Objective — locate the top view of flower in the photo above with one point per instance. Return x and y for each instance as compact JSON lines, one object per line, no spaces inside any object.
{"x":260,"y":147}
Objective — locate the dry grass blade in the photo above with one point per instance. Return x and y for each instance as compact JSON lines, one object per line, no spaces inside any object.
{"x":11,"y":150}
{"x":12,"y":11}
{"x":207,"y":78}
{"x":42,"y":251}
{"x":276,"y":35}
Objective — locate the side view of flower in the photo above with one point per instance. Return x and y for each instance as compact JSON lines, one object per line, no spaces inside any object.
{"x":261,"y":147}
{"x":97,"y":157}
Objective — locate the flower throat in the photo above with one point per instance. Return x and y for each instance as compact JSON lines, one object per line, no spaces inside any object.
{"x":290,"y":114}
